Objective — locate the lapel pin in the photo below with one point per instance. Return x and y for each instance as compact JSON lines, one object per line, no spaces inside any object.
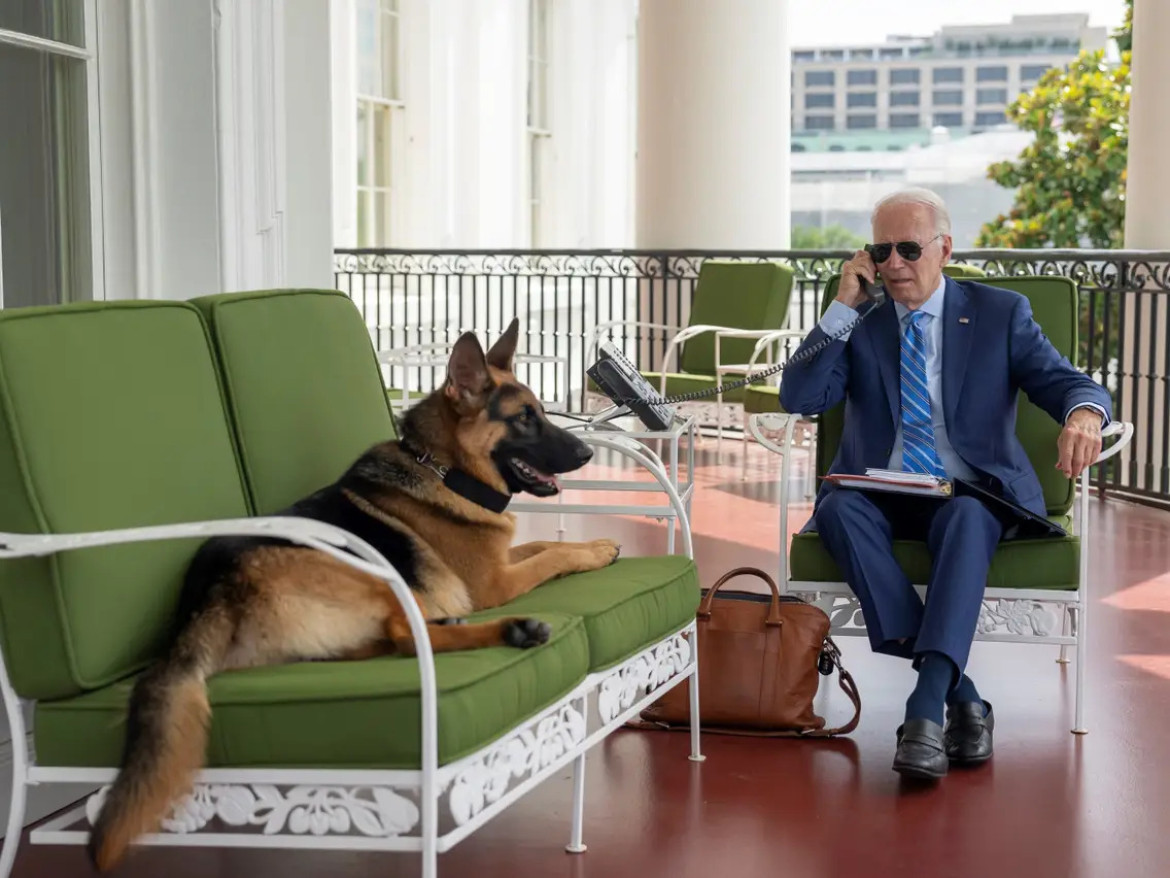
{"x":964,"y":319}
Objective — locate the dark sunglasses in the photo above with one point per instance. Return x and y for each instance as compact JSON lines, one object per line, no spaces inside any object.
{"x":908,"y":250}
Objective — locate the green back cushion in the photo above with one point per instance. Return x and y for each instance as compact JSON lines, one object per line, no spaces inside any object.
{"x":112,"y":417}
{"x":303,"y":386}
{"x":739,"y":295}
{"x":1054,"y":305}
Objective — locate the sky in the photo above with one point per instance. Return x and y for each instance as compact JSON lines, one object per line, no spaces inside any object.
{"x":848,"y":22}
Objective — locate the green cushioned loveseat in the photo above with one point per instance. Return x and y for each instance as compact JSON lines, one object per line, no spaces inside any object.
{"x":129,"y":431}
{"x":1036,"y":589}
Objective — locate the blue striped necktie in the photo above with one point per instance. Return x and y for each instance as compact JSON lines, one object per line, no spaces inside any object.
{"x":918,"y":451}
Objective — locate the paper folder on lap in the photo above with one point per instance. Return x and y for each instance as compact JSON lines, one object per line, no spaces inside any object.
{"x":894,"y":481}
{"x":1018,"y":522}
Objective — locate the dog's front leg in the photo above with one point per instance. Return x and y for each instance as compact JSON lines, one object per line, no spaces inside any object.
{"x":555,"y":560}
{"x":516,"y":554}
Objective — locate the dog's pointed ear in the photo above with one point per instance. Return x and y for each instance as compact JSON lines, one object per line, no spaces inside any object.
{"x":501,"y":353}
{"x":467,"y":373}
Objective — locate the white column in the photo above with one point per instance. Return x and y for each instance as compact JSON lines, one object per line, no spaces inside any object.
{"x":1147,"y":210}
{"x":713,"y":124}
{"x":1147,"y":227}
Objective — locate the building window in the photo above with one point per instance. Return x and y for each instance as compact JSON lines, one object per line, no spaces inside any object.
{"x":813,"y":78}
{"x":948,"y":98}
{"x":1032,"y":72}
{"x":818,"y":123}
{"x":861,"y":77}
{"x":905,"y":120}
{"x":949,"y":120}
{"x":904,"y":99}
{"x":991,"y":96}
{"x":539,"y":125}
{"x":868,"y":120}
{"x":905,"y":76}
{"x":803,"y":57}
{"x":892,"y":54}
{"x":380,"y":122}
{"x":861,"y":99}
{"x":997,"y":118}
{"x":947,"y":74}
{"x":49,"y":178}
{"x":991,"y":74}
{"x":820,"y":101}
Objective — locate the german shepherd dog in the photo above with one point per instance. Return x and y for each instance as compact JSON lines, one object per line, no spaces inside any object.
{"x":253,"y":601}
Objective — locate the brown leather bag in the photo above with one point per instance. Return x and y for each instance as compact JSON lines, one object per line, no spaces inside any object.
{"x":760,"y":661}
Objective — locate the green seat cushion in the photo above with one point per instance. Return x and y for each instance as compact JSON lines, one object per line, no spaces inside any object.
{"x":627,"y":606}
{"x":360,"y":714}
{"x":111,"y":416}
{"x":743,"y":295}
{"x":1046,"y":563}
{"x":304,"y":388}
{"x":761,"y":398}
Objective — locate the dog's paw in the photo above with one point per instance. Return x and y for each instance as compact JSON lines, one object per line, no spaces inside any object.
{"x":607,"y":551}
{"x":526,"y":633}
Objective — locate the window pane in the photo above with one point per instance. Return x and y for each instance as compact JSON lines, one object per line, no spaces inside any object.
{"x":363,"y":229}
{"x":44,"y":179}
{"x":382,"y":149}
{"x":363,"y":144}
{"x":382,"y":219}
{"x":369,"y":47}
{"x":60,"y":20}
{"x":390,"y":89}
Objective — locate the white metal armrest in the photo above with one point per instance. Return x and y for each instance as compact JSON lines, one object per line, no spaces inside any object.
{"x":332,"y":540}
{"x":1114,"y":428}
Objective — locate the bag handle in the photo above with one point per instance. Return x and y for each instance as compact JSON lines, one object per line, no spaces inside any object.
{"x":845,"y":679}
{"x":773,"y":619}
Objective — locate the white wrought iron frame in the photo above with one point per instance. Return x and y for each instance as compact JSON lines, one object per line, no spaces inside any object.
{"x":367,"y":809}
{"x":1009,"y":615}
{"x":765,"y":339}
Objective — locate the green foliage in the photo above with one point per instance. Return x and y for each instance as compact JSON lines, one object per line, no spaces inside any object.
{"x":834,"y":237}
{"x":1070,"y":180}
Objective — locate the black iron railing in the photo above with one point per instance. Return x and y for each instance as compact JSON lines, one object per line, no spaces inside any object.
{"x":414,"y":298}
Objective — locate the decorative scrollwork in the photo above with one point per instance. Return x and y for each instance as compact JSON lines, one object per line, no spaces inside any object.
{"x":378,"y":812}
{"x":520,"y":755}
{"x":1020,"y":617}
{"x":642,"y":675}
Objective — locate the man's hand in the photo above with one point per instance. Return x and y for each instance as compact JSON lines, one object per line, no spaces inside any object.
{"x":1079,"y":442}
{"x":850,"y":291}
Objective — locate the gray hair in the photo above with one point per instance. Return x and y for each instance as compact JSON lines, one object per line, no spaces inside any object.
{"x":918,"y":195}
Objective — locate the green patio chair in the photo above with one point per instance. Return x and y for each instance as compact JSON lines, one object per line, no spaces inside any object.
{"x":1037,"y":590}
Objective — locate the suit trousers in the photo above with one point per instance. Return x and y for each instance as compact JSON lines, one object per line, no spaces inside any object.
{"x":858,"y":529}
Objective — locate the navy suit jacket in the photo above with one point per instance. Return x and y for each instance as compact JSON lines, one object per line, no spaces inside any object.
{"x":997,"y":351}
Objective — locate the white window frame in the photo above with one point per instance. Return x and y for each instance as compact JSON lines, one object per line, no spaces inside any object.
{"x":87,"y":54}
{"x":539,"y":128}
{"x":388,"y":109}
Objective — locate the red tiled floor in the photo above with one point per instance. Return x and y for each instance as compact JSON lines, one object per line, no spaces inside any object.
{"x":1049,"y":805}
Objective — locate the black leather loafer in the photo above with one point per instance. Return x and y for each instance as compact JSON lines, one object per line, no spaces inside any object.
{"x":921,"y":752}
{"x":968,"y":734}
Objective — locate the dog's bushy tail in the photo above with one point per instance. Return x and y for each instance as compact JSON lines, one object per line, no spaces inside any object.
{"x":166,"y":738}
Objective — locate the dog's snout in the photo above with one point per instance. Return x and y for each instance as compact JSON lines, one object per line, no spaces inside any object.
{"x":584,"y":453}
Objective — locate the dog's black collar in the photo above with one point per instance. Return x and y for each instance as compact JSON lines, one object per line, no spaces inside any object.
{"x":462,"y":482}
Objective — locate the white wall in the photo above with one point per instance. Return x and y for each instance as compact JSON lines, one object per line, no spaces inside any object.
{"x":465,"y":165}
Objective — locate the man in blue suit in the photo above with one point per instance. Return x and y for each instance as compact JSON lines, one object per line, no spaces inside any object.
{"x":930,"y":381}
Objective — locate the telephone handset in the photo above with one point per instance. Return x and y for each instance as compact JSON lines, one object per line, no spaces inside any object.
{"x":875,"y":291}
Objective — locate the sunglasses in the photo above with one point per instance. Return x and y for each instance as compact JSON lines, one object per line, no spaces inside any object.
{"x":908,"y":250}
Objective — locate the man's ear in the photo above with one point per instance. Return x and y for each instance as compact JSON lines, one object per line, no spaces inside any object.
{"x":467,"y":374}
{"x":501,"y":353}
